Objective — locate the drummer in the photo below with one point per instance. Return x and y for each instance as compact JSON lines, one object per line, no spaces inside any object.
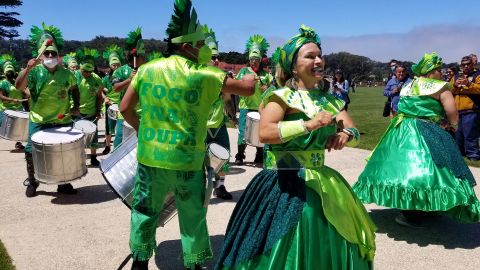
{"x":51,"y":87}
{"x":257,"y":47}
{"x":91,"y":100}
{"x":113,"y":54}
{"x":217,"y":130}
{"x":10,"y":97}
{"x":122,"y":77}
{"x":171,"y":137}
{"x":70,"y":62}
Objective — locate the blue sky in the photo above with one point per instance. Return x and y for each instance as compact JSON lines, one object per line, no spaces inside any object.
{"x":377,"y":29}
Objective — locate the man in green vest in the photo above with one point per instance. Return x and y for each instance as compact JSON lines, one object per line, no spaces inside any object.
{"x":257,"y":47}
{"x":91,"y":100}
{"x":176,"y":94}
{"x":51,"y":87}
{"x":122,"y":77}
{"x":10,"y":97}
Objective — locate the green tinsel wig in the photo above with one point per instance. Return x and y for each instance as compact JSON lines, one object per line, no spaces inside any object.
{"x":134,"y":43}
{"x":7,"y":63}
{"x":87,"y":57}
{"x":210,"y":39}
{"x":45,"y":38}
{"x":70,"y":60}
{"x":257,"y":46}
{"x":113,"y":54}
{"x":154,"y":55}
{"x":184,"y":26}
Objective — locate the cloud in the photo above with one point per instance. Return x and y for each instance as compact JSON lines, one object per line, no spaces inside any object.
{"x":450,"y":41}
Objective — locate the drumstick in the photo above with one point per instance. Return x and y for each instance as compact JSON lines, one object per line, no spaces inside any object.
{"x":46,"y":43}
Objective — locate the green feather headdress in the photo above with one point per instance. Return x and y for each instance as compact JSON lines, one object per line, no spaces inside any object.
{"x":134,"y":43}
{"x":86,"y":57}
{"x":7,"y":63}
{"x":257,"y":46}
{"x":184,"y":25}
{"x":40,"y":38}
{"x":113,"y":54}
{"x":154,"y":55}
{"x":70,"y":60}
{"x":210,"y":39}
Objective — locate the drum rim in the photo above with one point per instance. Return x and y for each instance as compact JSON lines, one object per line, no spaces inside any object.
{"x":114,"y":190}
{"x":23,"y":113}
{"x":228,"y":152}
{"x":76,"y":140}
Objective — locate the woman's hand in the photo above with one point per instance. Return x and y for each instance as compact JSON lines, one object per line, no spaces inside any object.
{"x":337,"y":141}
{"x":320,"y":120}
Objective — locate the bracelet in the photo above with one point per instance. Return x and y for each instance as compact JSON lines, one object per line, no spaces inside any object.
{"x":355,"y":136}
{"x":288,"y":130}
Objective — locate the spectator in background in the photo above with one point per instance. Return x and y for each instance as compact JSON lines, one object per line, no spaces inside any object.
{"x":392,"y":64}
{"x":394,"y":85}
{"x":339,"y":87}
{"x":451,"y":72}
{"x":352,"y":85}
{"x":475,"y":61}
{"x":466,"y":91}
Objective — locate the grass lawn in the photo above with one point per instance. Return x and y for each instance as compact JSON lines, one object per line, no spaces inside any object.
{"x":366,"y":108}
{"x":5,"y":261}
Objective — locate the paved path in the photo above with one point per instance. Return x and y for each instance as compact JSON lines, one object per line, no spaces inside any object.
{"x":90,"y":230}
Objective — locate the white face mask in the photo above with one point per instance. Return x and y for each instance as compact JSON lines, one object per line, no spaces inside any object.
{"x":50,"y":62}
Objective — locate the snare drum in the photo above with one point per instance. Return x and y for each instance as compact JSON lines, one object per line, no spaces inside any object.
{"x":119,"y":172}
{"x":113,"y":111}
{"x":14,"y":126}
{"x":88,"y":128}
{"x":252,"y":128}
{"x":127,"y":131}
{"x":58,"y":155}
{"x":218,"y":156}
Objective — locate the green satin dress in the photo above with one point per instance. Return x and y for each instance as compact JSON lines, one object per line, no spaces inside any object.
{"x":298,"y":213}
{"x":417,"y":165}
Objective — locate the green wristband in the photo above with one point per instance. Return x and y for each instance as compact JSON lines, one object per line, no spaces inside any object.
{"x":289,"y":130}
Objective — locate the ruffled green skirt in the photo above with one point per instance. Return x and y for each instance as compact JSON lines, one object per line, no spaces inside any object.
{"x":279,"y":223}
{"x":417,"y":166}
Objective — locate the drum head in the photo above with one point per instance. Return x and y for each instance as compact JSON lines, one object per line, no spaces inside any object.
{"x":113,"y":107}
{"x":18,"y":114}
{"x":218,"y":151}
{"x":57,"y":135}
{"x":254,"y":115}
{"x":85,"y":126}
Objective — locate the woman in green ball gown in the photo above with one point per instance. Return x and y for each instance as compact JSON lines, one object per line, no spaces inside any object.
{"x":416,"y":166}
{"x":298,"y":213}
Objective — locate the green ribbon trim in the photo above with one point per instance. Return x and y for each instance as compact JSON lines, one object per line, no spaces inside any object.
{"x":294,"y":160}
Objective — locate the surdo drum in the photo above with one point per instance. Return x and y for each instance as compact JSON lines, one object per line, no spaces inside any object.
{"x":14,"y":126}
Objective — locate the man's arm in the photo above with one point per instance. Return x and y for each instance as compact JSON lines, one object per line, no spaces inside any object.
{"x":22,"y":79}
{"x":127,"y":107}
{"x":243,"y":87}
{"x":473,"y":88}
{"x":99,"y":102}
{"x":76,"y":100}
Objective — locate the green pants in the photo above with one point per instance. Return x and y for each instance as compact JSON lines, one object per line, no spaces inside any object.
{"x":151,"y":187}
{"x":118,"y":133}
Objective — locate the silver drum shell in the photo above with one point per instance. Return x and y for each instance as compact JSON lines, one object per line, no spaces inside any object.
{"x":14,"y":128}
{"x":127,"y":131}
{"x":217,"y":162}
{"x":59,"y":163}
{"x":252,"y":129}
{"x":119,"y":171}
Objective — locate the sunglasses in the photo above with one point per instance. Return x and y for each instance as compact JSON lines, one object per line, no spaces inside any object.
{"x":50,"y":53}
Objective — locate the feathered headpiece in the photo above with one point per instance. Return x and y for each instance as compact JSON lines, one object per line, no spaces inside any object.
{"x":45,"y":38}
{"x":113,"y":54}
{"x":70,"y":60}
{"x":184,"y":26}
{"x":7,"y":63}
{"x":257,"y":46}
{"x":134,"y":43}
{"x":87,"y":57}
{"x":154,"y":55}
{"x":210,"y":39}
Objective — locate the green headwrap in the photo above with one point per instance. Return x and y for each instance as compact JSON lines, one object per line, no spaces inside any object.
{"x":134,"y":43}
{"x":154,"y":55}
{"x":87,"y":57}
{"x":69,"y":60}
{"x":290,"y":49}
{"x":428,"y":63}
{"x":7,"y":63}
{"x":113,"y":54}
{"x":49,"y":37}
{"x":257,"y":46}
{"x":210,"y":39}
{"x":184,"y":26}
